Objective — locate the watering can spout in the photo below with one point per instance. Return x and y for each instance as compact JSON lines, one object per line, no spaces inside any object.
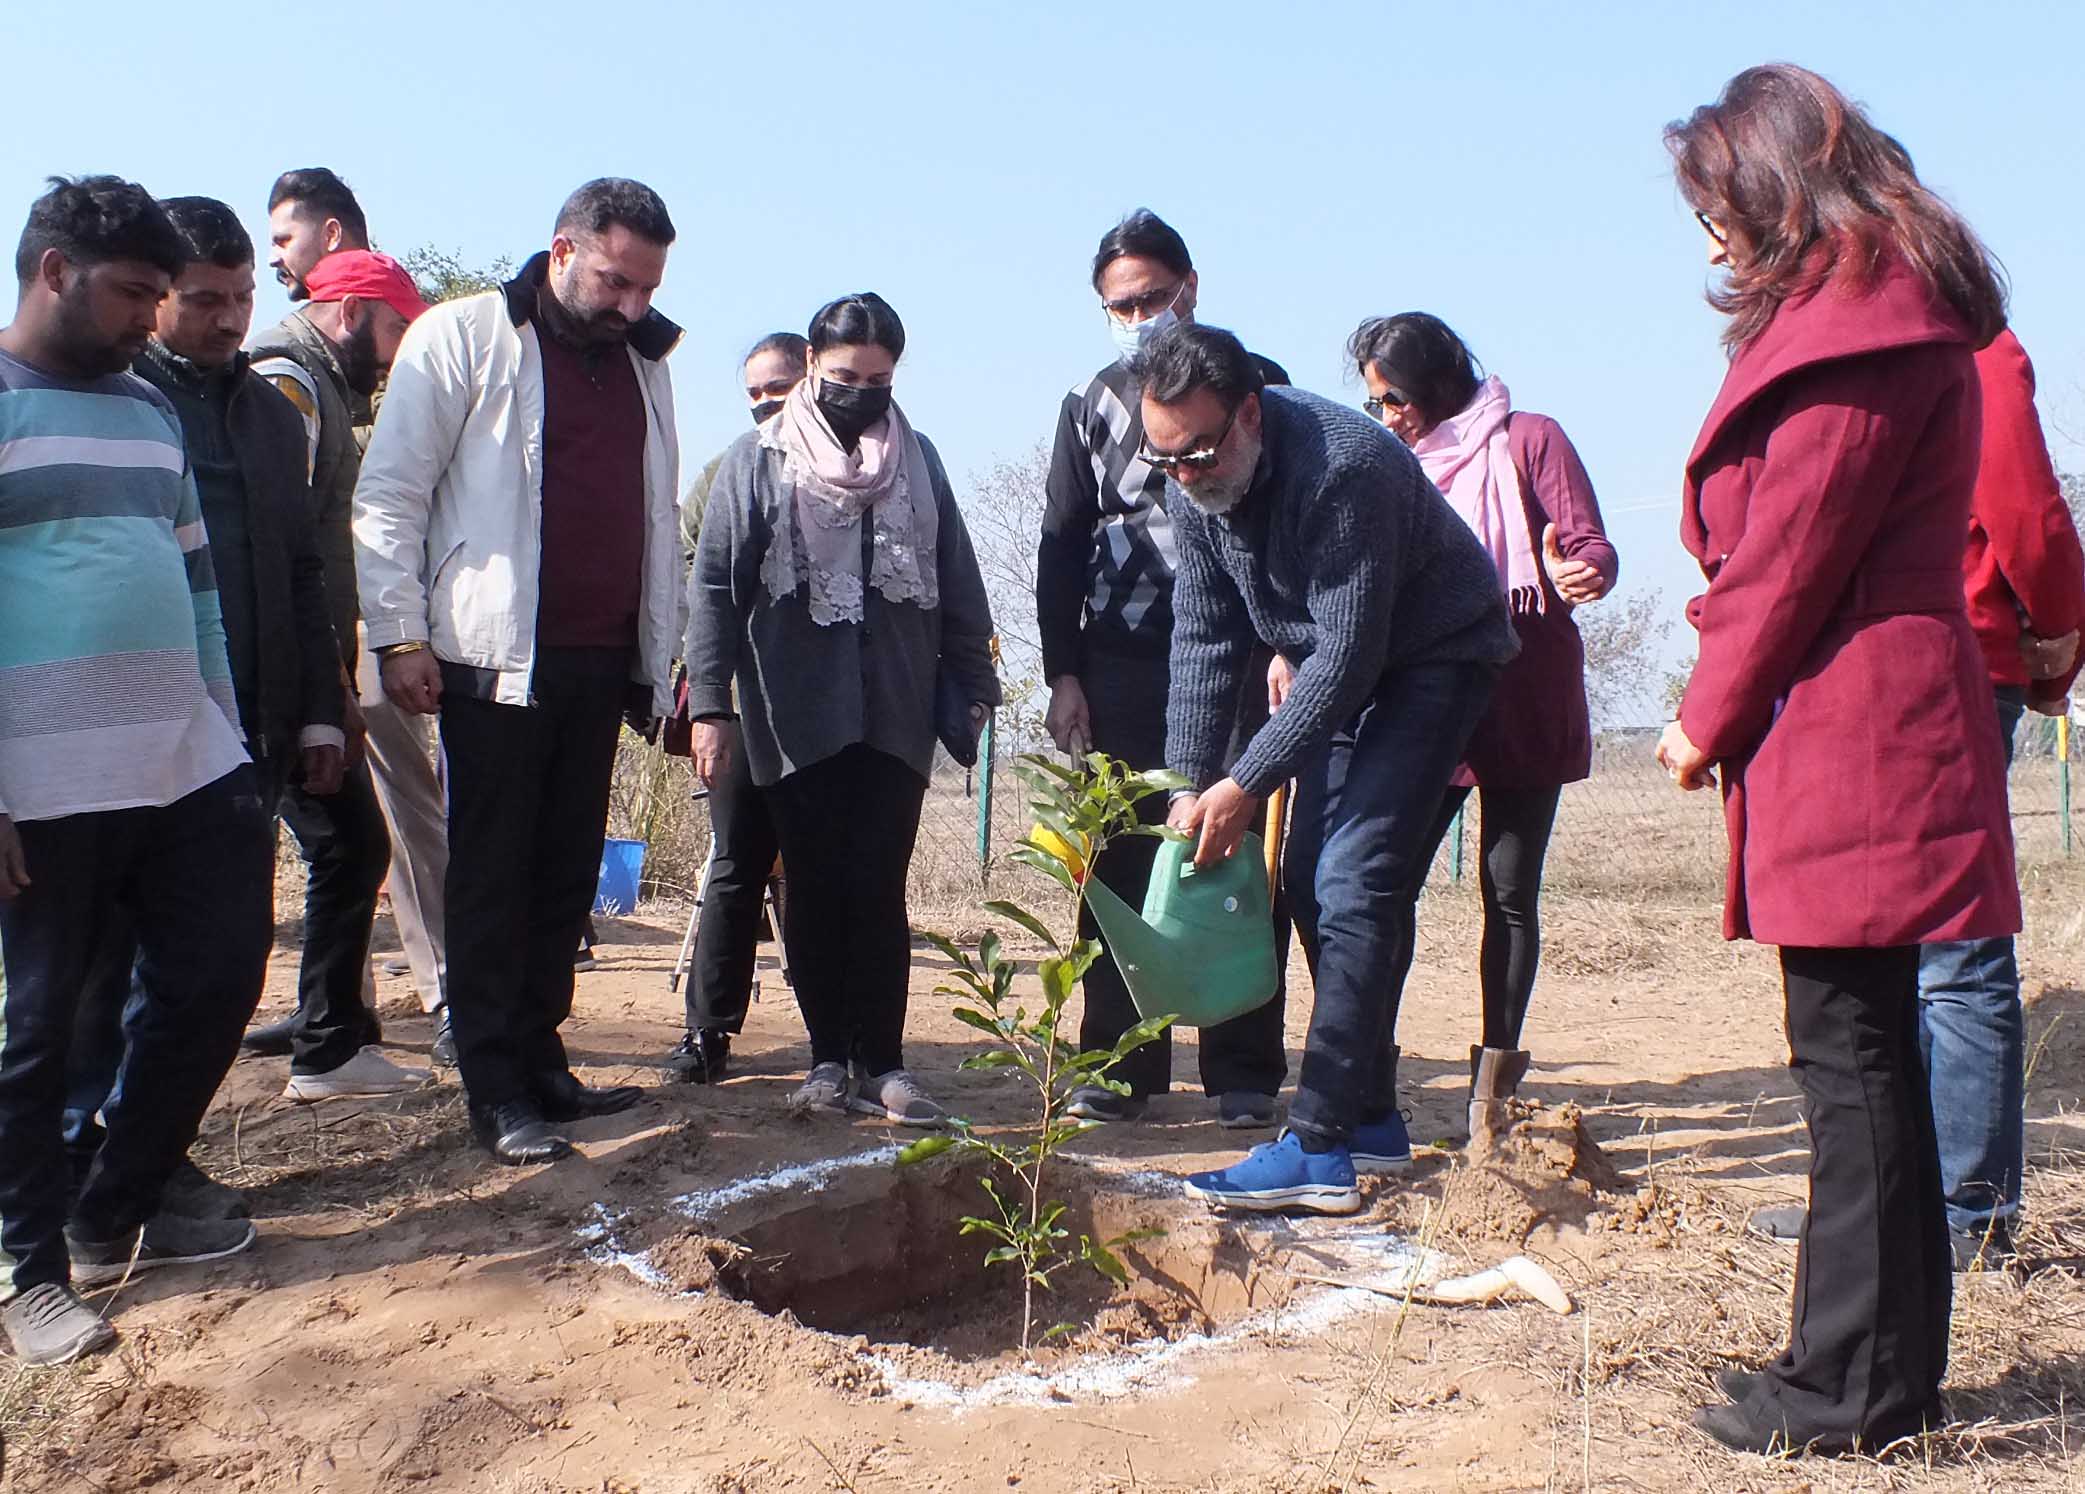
{"x":1202,"y":949}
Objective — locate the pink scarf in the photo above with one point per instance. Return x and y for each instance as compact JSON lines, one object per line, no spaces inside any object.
{"x":1468,"y":459}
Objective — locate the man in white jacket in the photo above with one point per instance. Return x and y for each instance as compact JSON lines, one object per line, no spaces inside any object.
{"x":519,"y":564}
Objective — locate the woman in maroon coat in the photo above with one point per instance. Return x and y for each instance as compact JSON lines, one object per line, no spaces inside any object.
{"x":1841,"y":691}
{"x":1517,"y":481}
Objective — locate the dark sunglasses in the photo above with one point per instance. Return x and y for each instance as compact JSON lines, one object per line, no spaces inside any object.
{"x":1189,"y":461}
{"x":1708,"y":226}
{"x":1391,"y":400}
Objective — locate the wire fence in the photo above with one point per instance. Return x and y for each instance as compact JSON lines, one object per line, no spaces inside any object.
{"x":1619,"y":832}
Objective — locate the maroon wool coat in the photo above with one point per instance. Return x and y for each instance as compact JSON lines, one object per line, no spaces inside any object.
{"x":1838,"y":683}
{"x":1537,"y":732}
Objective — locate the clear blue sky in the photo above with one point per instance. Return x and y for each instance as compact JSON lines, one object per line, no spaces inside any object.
{"x":1500,"y":166}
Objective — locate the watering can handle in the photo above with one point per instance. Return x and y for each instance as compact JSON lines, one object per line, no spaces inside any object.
{"x":1276,"y":828}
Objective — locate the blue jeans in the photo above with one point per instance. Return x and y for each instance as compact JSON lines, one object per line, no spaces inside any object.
{"x":1974,"y":1040}
{"x":1364,"y":810}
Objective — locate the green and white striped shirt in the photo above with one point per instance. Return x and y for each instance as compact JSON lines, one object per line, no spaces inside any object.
{"x":115,"y":692}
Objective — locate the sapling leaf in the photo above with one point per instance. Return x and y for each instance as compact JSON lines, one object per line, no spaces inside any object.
{"x":970,"y":1016}
{"x":1001,"y":1253}
{"x":996,"y":1058}
{"x":1162,"y":780}
{"x":1083,"y":954}
{"x":1057,"y":979}
{"x":1059,"y":1330}
{"x":948,"y":947}
{"x":1015,"y":913}
{"x":925,"y":1147}
{"x":1044,"y":862}
{"x":1103,"y":1260}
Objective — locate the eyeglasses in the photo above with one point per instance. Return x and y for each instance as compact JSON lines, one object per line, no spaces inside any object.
{"x":1708,"y":226}
{"x":1144,"y":307}
{"x":1391,"y":400}
{"x":1189,"y":461}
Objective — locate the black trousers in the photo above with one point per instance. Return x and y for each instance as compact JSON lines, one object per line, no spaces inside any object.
{"x":1867,"y":1345}
{"x":1512,"y":842}
{"x":726,"y":941}
{"x":347,"y":853}
{"x":1127,"y":699}
{"x":528,"y":797}
{"x":847,"y":827}
{"x":192,"y":880}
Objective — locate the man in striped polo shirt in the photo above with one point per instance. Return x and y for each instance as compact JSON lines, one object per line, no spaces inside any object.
{"x":124,"y":785}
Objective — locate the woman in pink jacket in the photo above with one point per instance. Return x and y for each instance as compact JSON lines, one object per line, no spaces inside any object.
{"x":1841,"y":693}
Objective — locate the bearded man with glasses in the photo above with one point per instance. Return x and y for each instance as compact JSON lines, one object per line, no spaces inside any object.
{"x":1104,"y":608}
{"x":1308,"y":528}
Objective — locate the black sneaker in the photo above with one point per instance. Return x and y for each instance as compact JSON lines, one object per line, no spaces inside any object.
{"x":194,"y":1194}
{"x":165,"y":1240}
{"x":1098,"y":1106}
{"x":702,"y":1056}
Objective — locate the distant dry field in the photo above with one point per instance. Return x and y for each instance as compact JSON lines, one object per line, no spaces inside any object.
{"x":717,"y":1297}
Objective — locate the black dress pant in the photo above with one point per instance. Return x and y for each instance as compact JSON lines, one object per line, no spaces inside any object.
{"x":1867,"y":1346}
{"x":847,"y":826}
{"x":742,"y":834}
{"x":1127,"y":700}
{"x":528,"y":797}
{"x":191,"y":881}
{"x":347,"y":853}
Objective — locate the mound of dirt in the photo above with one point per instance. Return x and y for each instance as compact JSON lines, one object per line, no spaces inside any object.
{"x":1546,"y":1169}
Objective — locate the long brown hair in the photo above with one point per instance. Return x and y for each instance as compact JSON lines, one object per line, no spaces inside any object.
{"x":1812,"y":191}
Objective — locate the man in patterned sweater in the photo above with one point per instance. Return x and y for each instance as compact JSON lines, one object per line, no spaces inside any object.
{"x":125,"y":790}
{"x":1104,"y":607}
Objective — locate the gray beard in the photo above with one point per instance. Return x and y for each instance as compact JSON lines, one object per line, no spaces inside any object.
{"x":1221,"y":501}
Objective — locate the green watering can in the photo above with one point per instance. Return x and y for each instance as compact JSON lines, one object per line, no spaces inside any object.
{"x":1204,"y":945}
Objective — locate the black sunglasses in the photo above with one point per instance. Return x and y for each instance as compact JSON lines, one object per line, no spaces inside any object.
{"x":1391,"y":400}
{"x":1189,"y":461}
{"x":1708,"y":226}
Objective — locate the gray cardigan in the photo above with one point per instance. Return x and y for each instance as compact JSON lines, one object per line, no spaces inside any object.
{"x":805,"y":691}
{"x":1341,"y":555}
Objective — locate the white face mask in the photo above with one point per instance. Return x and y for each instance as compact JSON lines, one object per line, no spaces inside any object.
{"x":1131,"y":338}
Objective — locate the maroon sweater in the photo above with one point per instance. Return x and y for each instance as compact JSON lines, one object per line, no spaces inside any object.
{"x":591,"y":580}
{"x":1538,"y":731}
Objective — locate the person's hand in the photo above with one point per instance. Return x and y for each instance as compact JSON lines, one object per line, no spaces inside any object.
{"x":1068,"y":720}
{"x":1687,"y":763}
{"x":2050,"y":705}
{"x":1576,"y":581}
{"x":322,"y":768}
{"x":1281,"y":678}
{"x":1180,"y":813}
{"x":710,"y":752}
{"x":14,"y":865}
{"x":413,"y":681}
{"x":1219,"y":819}
{"x":2046,"y":658}
{"x":356,"y":727}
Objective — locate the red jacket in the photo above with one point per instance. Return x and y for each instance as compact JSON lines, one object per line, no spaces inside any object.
{"x":2023,"y":550}
{"x":1838,"y":682}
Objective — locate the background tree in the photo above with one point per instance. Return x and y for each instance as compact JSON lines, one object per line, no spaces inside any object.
{"x":1004,"y":508}
{"x":1624,"y":683}
{"x":444,"y":276}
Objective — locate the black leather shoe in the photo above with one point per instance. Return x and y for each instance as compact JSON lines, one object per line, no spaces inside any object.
{"x":564,"y":1098}
{"x":517,"y":1134}
{"x":272,"y":1040}
{"x":444,"y":1050}
{"x":1736,"y":1383}
{"x":701,"y":1057}
{"x":1730,"y":1425}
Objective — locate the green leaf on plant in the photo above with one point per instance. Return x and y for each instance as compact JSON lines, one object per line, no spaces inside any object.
{"x":1015,"y":913}
{"x":1047,"y":864}
{"x":925,"y":1147}
{"x":1103,"y":1260}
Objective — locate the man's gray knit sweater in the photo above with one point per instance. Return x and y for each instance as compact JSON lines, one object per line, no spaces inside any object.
{"x":1343,"y":557}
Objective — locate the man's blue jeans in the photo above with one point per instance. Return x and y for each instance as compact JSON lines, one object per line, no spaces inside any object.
{"x":1974,"y":1040}
{"x":1364,"y":810}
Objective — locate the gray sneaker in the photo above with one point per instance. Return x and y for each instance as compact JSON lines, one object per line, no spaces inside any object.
{"x":825,"y":1089}
{"x":897,"y":1097}
{"x":165,"y":1240}
{"x":49,"y":1325}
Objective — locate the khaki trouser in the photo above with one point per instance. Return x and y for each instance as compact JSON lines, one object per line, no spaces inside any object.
{"x":401,"y":761}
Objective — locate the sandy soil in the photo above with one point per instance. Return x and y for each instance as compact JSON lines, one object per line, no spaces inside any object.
{"x":415,"y":1318}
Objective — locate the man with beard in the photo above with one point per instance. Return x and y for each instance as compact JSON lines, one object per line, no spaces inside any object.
{"x":246,"y":449}
{"x":311,"y":214}
{"x":515,"y":531}
{"x":125,"y":791}
{"x":333,"y":348}
{"x":742,"y":855}
{"x":1311,"y":528}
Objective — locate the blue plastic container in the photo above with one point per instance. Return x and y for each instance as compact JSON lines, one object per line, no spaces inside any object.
{"x":622,"y":866}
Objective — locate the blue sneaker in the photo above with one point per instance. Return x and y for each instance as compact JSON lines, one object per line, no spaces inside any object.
{"x":1281,"y":1175}
{"x":1381,"y":1147}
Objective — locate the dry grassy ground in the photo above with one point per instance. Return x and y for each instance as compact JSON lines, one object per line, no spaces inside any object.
{"x":415,"y":1320}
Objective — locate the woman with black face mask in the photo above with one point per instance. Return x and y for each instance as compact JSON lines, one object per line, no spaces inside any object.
{"x":835,"y":583}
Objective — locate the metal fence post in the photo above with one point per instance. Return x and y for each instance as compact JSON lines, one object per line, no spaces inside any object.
{"x":1455,"y":856}
{"x":985,"y":748}
{"x":2063,"y":778}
